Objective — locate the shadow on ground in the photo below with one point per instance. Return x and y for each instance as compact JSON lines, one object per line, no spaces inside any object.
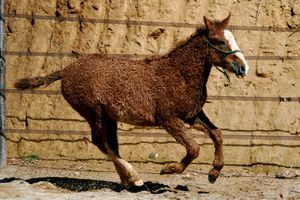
{"x":80,"y":185}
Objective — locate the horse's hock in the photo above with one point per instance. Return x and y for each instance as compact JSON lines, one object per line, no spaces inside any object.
{"x":42,"y":36}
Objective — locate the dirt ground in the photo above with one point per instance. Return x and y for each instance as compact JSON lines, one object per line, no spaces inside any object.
{"x":23,"y":180}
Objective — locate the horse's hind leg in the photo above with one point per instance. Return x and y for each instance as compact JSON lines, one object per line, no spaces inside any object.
{"x":204,"y":124}
{"x":176,"y":128}
{"x":104,"y":136}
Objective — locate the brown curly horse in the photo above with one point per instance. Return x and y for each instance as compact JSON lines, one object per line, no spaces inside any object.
{"x":167,"y":91}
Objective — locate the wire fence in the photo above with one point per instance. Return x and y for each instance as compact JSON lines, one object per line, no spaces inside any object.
{"x":128,"y":56}
{"x":61,"y":18}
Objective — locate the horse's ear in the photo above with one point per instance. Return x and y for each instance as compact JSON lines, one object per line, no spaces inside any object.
{"x":225,"y":22}
{"x":208,"y":24}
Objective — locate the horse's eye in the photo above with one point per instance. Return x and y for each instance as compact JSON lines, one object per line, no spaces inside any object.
{"x":222,"y":42}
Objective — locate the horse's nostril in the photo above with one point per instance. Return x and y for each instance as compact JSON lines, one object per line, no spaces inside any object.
{"x":242,"y":69}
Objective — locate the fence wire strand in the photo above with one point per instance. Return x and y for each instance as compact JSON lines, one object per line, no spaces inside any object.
{"x":209,"y":98}
{"x":127,"y":22}
{"x":295,"y":137}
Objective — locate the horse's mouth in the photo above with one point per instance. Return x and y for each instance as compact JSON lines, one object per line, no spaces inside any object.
{"x":238,"y":69}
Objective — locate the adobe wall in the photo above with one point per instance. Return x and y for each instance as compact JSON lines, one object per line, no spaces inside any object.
{"x":269,"y":76}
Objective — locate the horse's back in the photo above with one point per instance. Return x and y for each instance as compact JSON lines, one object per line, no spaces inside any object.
{"x":123,"y":87}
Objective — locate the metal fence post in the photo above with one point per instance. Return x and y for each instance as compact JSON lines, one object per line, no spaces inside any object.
{"x":3,"y":152}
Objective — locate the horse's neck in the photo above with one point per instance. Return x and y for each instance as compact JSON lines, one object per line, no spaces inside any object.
{"x":193,"y":60}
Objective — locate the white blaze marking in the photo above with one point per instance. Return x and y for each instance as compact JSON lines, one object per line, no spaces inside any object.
{"x":233,"y":45}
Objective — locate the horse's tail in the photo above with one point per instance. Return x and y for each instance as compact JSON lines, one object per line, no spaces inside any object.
{"x":31,"y":83}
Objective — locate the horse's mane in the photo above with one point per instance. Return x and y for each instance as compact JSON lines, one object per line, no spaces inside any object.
{"x":200,"y":31}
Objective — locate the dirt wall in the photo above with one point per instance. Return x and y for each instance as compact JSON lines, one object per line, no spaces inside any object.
{"x":259,"y":131}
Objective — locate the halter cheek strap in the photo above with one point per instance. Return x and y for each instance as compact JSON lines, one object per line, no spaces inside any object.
{"x":225,"y":54}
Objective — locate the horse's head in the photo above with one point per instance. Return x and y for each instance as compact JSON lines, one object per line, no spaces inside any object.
{"x":223,"y":48}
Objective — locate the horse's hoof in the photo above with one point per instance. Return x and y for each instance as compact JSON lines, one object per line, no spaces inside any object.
{"x":168,"y":169}
{"x":172,"y":168}
{"x":130,"y":184}
{"x":213,"y":175}
{"x":138,"y":183}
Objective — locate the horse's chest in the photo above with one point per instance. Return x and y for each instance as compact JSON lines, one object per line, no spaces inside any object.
{"x":193,"y":111}
{"x":193,"y":103}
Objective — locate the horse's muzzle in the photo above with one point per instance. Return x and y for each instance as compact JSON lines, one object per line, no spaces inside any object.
{"x":239,"y":69}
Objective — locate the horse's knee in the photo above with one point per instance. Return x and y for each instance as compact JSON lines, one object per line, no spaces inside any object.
{"x":196,"y":151}
{"x":192,"y":154}
{"x":219,"y":139}
{"x":193,"y":151}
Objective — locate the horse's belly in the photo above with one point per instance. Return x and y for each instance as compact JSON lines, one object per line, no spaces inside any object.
{"x":138,"y":120}
{"x":135,"y":116}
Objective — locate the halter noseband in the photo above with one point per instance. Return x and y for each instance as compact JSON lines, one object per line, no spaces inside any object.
{"x":225,"y":54}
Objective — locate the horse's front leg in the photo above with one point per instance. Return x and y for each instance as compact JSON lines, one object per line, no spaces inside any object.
{"x":203,"y":124}
{"x":176,"y":128}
